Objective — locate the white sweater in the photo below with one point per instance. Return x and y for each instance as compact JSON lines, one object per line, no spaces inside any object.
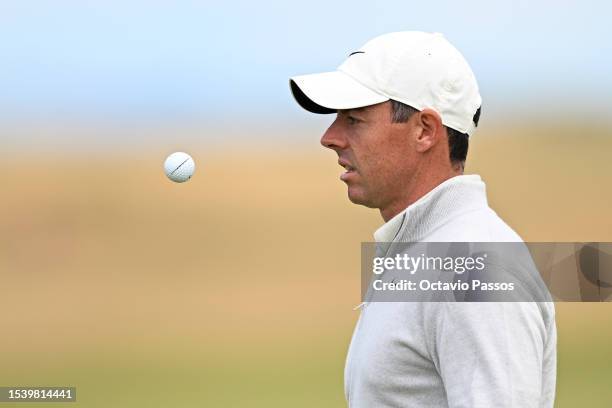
{"x":427,"y":354}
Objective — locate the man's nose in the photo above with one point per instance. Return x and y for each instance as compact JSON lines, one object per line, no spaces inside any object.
{"x":334,"y":137}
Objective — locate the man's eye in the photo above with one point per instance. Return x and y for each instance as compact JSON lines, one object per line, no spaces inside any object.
{"x":352,"y":120}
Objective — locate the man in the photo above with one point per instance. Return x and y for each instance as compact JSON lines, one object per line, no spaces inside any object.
{"x":406,"y":104}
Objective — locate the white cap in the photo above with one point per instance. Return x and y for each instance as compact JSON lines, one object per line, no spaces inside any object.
{"x":420,"y":69}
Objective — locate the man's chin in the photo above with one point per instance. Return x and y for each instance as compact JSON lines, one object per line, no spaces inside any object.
{"x":359,"y":197}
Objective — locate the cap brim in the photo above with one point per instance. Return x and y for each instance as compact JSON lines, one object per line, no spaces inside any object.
{"x":330,"y":91}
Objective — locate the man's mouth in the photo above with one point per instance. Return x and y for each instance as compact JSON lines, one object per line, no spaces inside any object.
{"x":348,"y":169}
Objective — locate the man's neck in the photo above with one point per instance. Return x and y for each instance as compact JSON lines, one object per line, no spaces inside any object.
{"x":412,"y":195}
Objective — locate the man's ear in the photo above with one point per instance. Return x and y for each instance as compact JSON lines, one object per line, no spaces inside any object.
{"x":430,"y":123}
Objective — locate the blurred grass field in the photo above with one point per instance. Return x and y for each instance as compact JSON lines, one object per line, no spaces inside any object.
{"x":236,"y":289}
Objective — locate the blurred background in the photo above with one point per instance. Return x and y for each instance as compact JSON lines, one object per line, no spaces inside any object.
{"x":236,"y":289}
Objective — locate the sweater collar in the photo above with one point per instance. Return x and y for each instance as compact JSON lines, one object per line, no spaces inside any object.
{"x":452,"y":197}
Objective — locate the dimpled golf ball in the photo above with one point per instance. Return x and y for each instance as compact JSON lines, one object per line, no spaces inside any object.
{"x":179,"y":167}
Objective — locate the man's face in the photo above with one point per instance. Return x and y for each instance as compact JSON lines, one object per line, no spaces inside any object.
{"x":378,"y":155}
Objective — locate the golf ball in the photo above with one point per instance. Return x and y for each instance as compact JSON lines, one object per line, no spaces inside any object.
{"x":179,"y":167}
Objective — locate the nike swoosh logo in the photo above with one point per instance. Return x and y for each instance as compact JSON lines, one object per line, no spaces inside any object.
{"x":356,"y":52}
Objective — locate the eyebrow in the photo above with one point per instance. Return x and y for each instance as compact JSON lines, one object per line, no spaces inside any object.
{"x":357,"y":110}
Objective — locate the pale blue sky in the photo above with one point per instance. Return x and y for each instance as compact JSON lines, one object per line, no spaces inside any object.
{"x":209,"y":60}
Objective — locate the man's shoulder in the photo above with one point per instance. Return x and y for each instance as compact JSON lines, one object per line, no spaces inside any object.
{"x":478,"y":225}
